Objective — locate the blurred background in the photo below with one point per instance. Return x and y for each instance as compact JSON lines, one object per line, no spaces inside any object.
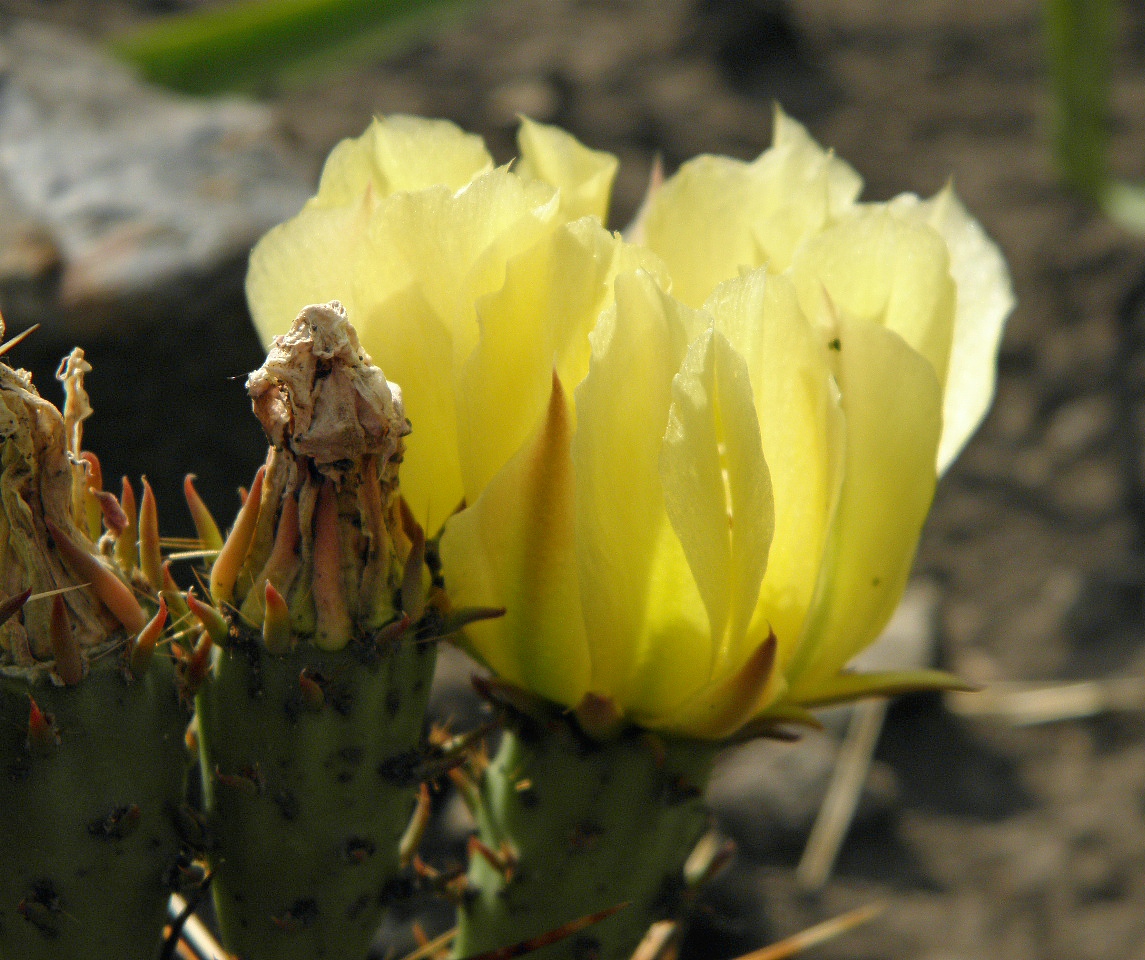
{"x":1007,"y":828}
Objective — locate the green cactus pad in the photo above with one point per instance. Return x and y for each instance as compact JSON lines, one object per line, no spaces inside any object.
{"x":309,"y":785}
{"x":590,"y":825}
{"x":88,"y":840}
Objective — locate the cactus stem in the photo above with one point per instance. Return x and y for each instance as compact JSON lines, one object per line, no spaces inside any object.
{"x":411,"y":839}
{"x":43,"y":737}
{"x":213,"y":622}
{"x":114,"y":594}
{"x":573,"y":809}
{"x":127,"y":546}
{"x":333,"y":619}
{"x":69,"y":668}
{"x":276,"y":635}
{"x":150,"y":558}
{"x":142,"y":648}
{"x":205,"y":526}
{"x":225,"y":570}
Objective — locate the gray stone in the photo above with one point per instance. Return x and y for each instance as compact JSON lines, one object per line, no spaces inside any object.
{"x":116,"y":188}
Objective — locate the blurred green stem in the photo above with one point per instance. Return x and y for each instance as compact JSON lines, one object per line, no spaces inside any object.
{"x":1078,"y":44}
{"x":229,"y":47}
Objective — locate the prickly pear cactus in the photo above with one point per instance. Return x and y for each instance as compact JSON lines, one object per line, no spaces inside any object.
{"x":311,"y":721}
{"x":573,"y":829}
{"x":91,"y":728}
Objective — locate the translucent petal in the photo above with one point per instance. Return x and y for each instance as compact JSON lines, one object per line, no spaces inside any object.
{"x":801,"y":428}
{"x":456,"y":245}
{"x":313,"y":258}
{"x":723,"y":707}
{"x":631,"y":566}
{"x":401,"y":153}
{"x":717,"y":216}
{"x":802,"y":153}
{"x":876,"y":266}
{"x":413,"y":347}
{"x":514,"y":548}
{"x":893,"y":407}
{"x":717,"y":488}
{"x":583,"y":176}
{"x":553,"y":295}
{"x":985,"y":299}
{"x":699,"y":222}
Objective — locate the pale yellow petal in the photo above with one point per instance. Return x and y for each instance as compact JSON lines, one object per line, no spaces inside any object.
{"x":313,"y":258}
{"x":514,"y":548}
{"x":985,"y":299}
{"x":552,"y":297}
{"x":717,"y":216}
{"x":411,"y":345}
{"x":583,"y":176}
{"x":455,"y":246}
{"x":717,"y":488}
{"x":843,"y":182}
{"x":875,"y":266}
{"x":893,"y":407}
{"x":700,"y":223}
{"x":631,"y":565}
{"x":401,"y":153}
{"x":801,"y":427}
{"x":722,"y":707}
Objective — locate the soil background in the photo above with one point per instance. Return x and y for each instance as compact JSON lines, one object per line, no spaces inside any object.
{"x":1004,"y":843}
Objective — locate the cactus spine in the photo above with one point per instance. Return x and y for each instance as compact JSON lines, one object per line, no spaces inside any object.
{"x":311,"y":722}
{"x":570,"y":826}
{"x":91,"y":730}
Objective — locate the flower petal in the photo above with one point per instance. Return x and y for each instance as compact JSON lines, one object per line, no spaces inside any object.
{"x":513,"y":548}
{"x":408,"y":341}
{"x":893,"y":405}
{"x":716,"y":215}
{"x":720,"y":709}
{"x":640,"y":603}
{"x":314,"y":258}
{"x":985,"y":299}
{"x":584,"y":177}
{"x":399,"y":153}
{"x":876,"y":266}
{"x":551,"y":299}
{"x":456,"y":245}
{"x":801,"y":427}
{"x":717,"y":488}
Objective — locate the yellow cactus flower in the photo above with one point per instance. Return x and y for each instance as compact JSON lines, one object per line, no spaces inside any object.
{"x":696,"y":462}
